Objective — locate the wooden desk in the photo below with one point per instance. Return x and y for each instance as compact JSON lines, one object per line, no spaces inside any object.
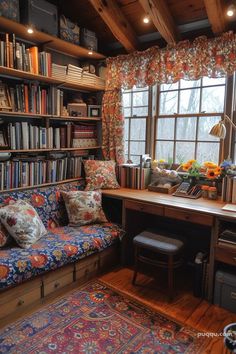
{"x":200,"y":212}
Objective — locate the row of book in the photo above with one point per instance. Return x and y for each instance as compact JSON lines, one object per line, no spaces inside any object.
{"x":229,"y":189}
{"x":16,"y":55}
{"x":75,"y":75}
{"x":33,"y":98}
{"x":22,"y":135}
{"x":130,"y":176}
{"x":34,"y":171}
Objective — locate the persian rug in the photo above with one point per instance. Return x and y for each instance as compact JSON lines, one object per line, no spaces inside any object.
{"x":94,"y":319}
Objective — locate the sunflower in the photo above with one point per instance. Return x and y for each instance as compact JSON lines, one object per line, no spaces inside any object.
{"x":211,"y":174}
{"x":218,"y":170}
{"x":210,"y":164}
{"x":190,"y":162}
{"x":186,"y":166}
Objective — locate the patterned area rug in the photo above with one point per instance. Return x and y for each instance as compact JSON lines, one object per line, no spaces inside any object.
{"x":93,"y":320}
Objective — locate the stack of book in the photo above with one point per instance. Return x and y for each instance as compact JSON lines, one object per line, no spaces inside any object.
{"x":31,"y":171}
{"x":74,"y":74}
{"x":228,"y":236}
{"x":16,"y":55}
{"x":59,"y":71}
{"x":35,"y":99}
{"x":84,"y":135}
{"x":132,"y":176}
{"x":23,"y":135}
{"x":229,"y":189}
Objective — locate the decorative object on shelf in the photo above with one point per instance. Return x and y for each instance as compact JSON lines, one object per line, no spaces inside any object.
{"x":88,"y":39}
{"x":5,"y":101}
{"x":69,"y":31}
{"x":42,"y":14}
{"x":10,"y":9}
{"x":94,"y":111}
{"x":77,"y":109}
{"x":90,"y":68}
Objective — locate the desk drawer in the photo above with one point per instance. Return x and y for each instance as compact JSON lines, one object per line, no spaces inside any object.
{"x":225,"y":255}
{"x":196,"y":218}
{"x":144,"y":207}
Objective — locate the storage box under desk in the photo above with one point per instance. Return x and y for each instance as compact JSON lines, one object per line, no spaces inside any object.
{"x":225,"y":290}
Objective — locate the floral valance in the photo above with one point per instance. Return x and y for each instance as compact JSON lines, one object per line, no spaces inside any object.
{"x":215,"y":57}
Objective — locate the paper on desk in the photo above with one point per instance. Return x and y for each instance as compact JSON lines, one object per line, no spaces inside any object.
{"x":229,"y":207}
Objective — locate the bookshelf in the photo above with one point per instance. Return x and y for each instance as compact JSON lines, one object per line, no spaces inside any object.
{"x":36,"y":113}
{"x":48,"y":41}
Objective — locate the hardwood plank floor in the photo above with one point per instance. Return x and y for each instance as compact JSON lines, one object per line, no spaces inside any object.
{"x":185,"y":308}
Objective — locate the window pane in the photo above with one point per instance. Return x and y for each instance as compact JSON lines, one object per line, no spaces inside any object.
{"x":204,"y":126}
{"x":208,"y":152}
{"x":140,"y":112}
{"x":184,"y":151}
{"x":168,"y":102}
{"x":135,"y":159}
{"x":189,"y":83}
{"x":138,"y":129}
{"x":164,"y":150}
{"x":137,"y":147}
{"x":167,"y":87}
{"x":140,"y":88}
{"x":213,"y":99}
{"x":189,"y":101}
{"x":127,"y":112}
{"x":165,"y":128}
{"x":186,"y":128}
{"x":207,"y":81}
{"x":126,"y":99}
{"x":140,"y":98}
{"x":126,"y":147}
{"x":126,"y":129}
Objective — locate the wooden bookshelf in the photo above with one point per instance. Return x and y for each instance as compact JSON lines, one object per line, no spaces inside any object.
{"x":42,"y":185}
{"x":17,"y":115}
{"x":48,"y":150}
{"x":25,"y":75}
{"x":46,"y":40}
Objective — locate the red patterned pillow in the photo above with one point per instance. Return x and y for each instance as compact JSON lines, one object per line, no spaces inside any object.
{"x":5,"y":238}
{"x":84,"y":208}
{"x":100,"y":175}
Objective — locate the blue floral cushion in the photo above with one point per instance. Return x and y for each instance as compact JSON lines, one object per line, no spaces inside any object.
{"x":60,"y":246}
{"x":47,"y":201}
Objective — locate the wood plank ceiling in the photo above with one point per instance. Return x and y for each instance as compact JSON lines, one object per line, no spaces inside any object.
{"x":119,"y":23}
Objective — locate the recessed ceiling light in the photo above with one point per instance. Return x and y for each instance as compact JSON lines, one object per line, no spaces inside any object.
{"x":30,"y":30}
{"x":146,"y":19}
{"x":90,"y":52}
{"x":231,"y":10}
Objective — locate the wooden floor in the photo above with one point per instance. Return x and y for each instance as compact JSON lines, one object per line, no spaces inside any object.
{"x":185,"y":308}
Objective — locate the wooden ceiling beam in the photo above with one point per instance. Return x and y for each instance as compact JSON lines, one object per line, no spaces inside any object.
{"x":116,"y":21}
{"x":162,"y":19}
{"x":215,"y":13}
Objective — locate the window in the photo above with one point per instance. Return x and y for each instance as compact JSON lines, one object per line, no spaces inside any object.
{"x":187,"y":111}
{"x":136,"y":107}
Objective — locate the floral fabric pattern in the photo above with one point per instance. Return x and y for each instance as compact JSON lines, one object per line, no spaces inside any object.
{"x":5,"y":238}
{"x":113,"y":127}
{"x":84,"y":208}
{"x":214,"y":57}
{"x":22,"y":222}
{"x":100,"y":175}
{"x":58,"y":247}
{"x":47,"y":201}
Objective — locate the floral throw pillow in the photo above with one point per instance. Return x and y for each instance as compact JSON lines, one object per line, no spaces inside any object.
{"x":100,"y":175}
{"x":22,"y":222}
{"x":84,"y":208}
{"x":5,"y":238}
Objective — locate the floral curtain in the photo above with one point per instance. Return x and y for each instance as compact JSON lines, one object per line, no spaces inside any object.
{"x":215,"y":57}
{"x":113,"y":126}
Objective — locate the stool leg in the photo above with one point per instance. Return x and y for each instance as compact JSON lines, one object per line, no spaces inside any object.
{"x":135,"y":265}
{"x":170,"y":277}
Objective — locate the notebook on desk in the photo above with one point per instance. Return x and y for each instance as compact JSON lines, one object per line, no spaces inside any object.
{"x":229,"y":207}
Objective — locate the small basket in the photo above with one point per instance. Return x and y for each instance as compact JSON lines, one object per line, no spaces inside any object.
{"x":163,"y":189}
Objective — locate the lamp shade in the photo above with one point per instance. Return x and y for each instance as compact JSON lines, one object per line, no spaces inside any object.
{"x":218,"y":130}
